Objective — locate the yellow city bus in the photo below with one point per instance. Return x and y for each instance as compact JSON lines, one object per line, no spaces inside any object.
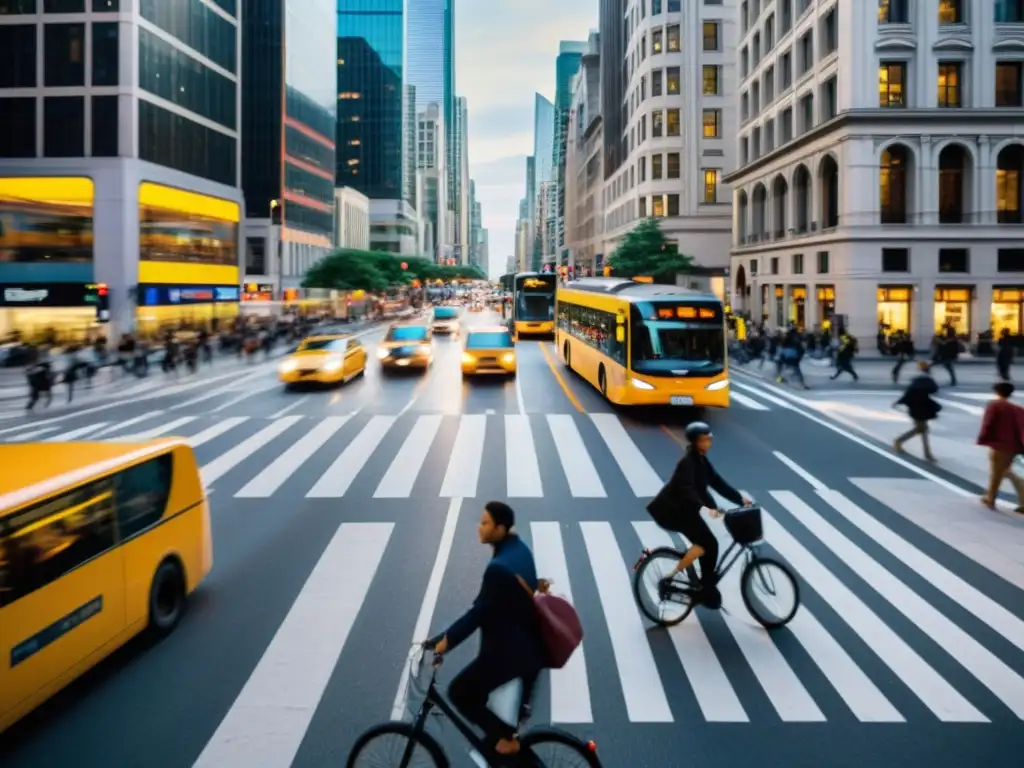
{"x":533,"y":304}
{"x":644,"y":344}
{"x":98,"y":541}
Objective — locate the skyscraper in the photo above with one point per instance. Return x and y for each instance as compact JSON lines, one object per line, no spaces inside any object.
{"x":566,"y":66}
{"x":288,"y":133}
{"x":431,"y":165}
{"x":463,"y":208}
{"x":543,"y":155}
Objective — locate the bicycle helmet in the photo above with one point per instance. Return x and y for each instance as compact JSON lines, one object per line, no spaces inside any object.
{"x":697,"y":429}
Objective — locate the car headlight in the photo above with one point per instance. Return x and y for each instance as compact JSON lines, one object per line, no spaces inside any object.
{"x":288,"y":366}
{"x":717,"y":385}
{"x":468,"y":359}
{"x":508,"y":358}
{"x":332,"y":365}
{"x":383,"y":352}
{"x":424,"y":349}
{"x":639,"y":384}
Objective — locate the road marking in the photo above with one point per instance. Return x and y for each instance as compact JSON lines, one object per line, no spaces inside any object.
{"x":33,"y":433}
{"x":421,"y":631}
{"x":944,"y":701}
{"x":639,"y":473}
{"x":273,"y":476}
{"x":974,"y":410}
{"x":76,"y":434}
{"x":336,"y":480}
{"x":163,"y":429}
{"x":570,"y":686}
{"x":215,"y":431}
{"x":288,"y":408}
{"x":119,"y":425}
{"x":715,"y":695}
{"x":747,"y":401}
{"x":520,"y":402}
{"x":267,"y":722}
{"x":558,"y":377}
{"x":810,"y":479}
{"x":401,"y":476}
{"x":522,"y":467}
{"x":642,"y":690}
{"x":463,"y":473}
{"x":242,"y":397}
{"x":223,"y":464}
{"x":992,"y":672}
{"x":584,"y":481}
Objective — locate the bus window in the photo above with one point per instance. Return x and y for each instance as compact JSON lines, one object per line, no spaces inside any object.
{"x":142,"y":495}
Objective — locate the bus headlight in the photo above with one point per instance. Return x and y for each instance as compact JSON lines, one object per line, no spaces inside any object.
{"x":717,"y":385}
{"x":639,"y":384}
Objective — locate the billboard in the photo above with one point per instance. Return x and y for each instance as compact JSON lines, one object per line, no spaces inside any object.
{"x":46,"y":220}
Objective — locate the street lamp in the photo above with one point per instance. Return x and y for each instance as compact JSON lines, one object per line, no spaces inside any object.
{"x":274,"y":205}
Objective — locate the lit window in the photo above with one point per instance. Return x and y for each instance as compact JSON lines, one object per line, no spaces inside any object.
{"x":341,"y":62}
{"x":672,"y":122}
{"x":656,"y":41}
{"x":658,"y":206}
{"x":949,"y":84}
{"x":345,"y":95}
{"x":354,"y":142}
{"x":711,"y":36}
{"x":673,"y":37}
{"x":891,"y":77}
{"x":710,"y":78}
{"x":951,"y":12}
{"x":712,"y":118}
{"x":354,"y":161}
{"x":710,"y":185}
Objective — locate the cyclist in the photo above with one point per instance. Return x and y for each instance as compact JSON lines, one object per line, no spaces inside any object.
{"x":683,"y":499}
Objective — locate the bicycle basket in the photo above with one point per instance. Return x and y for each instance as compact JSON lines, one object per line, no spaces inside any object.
{"x":744,"y":525}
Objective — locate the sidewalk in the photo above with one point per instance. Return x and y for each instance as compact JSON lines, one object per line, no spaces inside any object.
{"x":876,"y":373}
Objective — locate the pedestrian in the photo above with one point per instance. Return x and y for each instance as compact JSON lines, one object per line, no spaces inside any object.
{"x":902,"y":346}
{"x":1002,"y":432}
{"x":72,"y":363}
{"x":844,"y":356}
{"x":947,"y":350}
{"x":511,"y":645}
{"x":40,"y":380}
{"x":1004,"y":354}
{"x":922,"y":408}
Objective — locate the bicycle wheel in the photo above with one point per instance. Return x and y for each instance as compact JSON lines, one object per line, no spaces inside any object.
{"x":396,"y":745}
{"x":770,"y":592}
{"x":550,"y":747}
{"x":664,"y":603}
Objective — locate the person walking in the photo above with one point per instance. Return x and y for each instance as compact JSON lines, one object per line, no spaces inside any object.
{"x":844,"y":357}
{"x":1002,"y":432}
{"x":511,"y":644}
{"x":922,"y":408}
{"x":1004,"y":354}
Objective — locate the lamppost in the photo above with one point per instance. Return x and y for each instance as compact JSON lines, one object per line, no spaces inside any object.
{"x":275,"y":205}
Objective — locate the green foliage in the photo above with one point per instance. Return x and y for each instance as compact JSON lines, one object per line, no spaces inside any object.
{"x":646,"y":252}
{"x":349,"y":270}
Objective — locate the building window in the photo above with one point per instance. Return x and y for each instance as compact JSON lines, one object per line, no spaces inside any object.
{"x":954,"y":260}
{"x":64,"y":126}
{"x":711,"y":36}
{"x":656,"y":82}
{"x":709,"y":75}
{"x":106,"y":6}
{"x":656,"y":124}
{"x":797,"y":264}
{"x":1010,"y":260}
{"x":949,"y":84}
{"x":105,"y":125}
{"x":822,"y":262}
{"x":176,"y":142}
{"x":64,"y":6}
{"x":954,"y":184}
{"x":893,"y":179}
{"x":673,"y":205}
{"x":672,"y":163}
{"x":892,"y":12}
{"x":657,"y":41}
{"x":951,"y":12}
{"x":655,"y":167}
{"x":710,"y":185}
{"x":895,"y":259}
{"x":64,"y":55}
{"x":17,"y":7}
{"x":1008,"y":84}
{"x":1009,"y":176}
{"x":892,"y":76}
{"x":1009,"y":11}
{"x":18,"y":56}
{"x":712,"y":123}
{"x":105,"y":55}
{"x":673,"y":37}
{"x":672,"y":120}
{"x":18,"y":128}
{"x":197,"y":25}
{"x":673,"y":79}
{"x":773,"y":265}
{"x":658,"y":206}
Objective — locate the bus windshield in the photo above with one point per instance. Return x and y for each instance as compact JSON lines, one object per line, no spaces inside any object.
{"x":535,"y":297}
{"x":672,"y":348}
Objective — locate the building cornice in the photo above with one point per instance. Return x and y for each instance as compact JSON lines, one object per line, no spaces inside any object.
{"x":880,"y":118}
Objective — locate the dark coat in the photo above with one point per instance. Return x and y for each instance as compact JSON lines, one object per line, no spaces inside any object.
{"x":687,"y":490}
{"x":918,"y":398}
{"x":504,"y":611}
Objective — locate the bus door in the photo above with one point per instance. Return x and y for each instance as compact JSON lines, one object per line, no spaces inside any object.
{"x":65,"y":592}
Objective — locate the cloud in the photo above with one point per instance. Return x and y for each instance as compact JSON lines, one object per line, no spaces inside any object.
{"x":505,"y":52}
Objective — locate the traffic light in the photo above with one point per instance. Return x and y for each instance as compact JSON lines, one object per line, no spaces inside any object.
{"x":102,"y":303}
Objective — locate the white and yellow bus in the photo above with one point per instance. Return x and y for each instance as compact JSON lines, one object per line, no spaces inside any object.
{"x":98,"y":541}
{"x":533,"y":304}
{"x":645,"y":344}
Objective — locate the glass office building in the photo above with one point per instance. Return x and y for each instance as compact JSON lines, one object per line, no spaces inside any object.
{"x":371,"y":98}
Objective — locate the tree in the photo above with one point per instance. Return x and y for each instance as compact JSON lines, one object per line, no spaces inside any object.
{"x":645,"y":251}
{"x":346,"y":270}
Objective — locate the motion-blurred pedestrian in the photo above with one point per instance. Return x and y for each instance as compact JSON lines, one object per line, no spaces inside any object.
{"x":922,"y":408}
{"x":1002,"y":432}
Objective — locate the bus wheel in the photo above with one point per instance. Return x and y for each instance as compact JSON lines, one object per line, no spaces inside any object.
{"x":166,"y":598}
{"x":602,"y":382}
{"x":567,"y":356}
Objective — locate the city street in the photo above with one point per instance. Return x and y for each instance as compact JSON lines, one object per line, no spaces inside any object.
{"x":344,"y":523}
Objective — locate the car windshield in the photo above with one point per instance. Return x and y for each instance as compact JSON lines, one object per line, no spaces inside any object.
{"x":489,"y":340}
{"x":688,"y":345}
{"x":536,"y":306}
{"x":446,"y":313}
{"x":408,"y":333}
{"x":330,"y":345}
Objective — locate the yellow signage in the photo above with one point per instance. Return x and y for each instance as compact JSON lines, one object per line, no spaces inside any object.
{"x":173,"y":199}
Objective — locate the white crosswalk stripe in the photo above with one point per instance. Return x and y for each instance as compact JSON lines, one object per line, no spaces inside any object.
{"x":584,"y":481}
{"x":277,"y":473}
{"x":463,"y":475}
{"x":342,"y":473}
{"x":401,"y":476}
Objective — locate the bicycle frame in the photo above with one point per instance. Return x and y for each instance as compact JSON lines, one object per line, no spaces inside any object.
{"x":725,"y":563}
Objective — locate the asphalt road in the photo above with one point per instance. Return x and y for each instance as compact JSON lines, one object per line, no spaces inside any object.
{"x":345,"y":528}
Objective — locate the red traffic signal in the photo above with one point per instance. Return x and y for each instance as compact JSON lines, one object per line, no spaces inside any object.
{"x":101,"y":289}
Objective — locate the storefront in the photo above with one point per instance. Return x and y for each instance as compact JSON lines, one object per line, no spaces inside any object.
{"x":62,"y":312}
{"x":894,"y":307}
{"x":798,"y":306}
{"x":1007,"y":308}
{"x":780,"y":306}
{"x":953,"y":309}
{"x":173,"y":307}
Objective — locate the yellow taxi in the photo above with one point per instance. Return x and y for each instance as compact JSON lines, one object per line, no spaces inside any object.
{"x":489,"y":349}
{"x":327,"y":359}
{"x":445,"y":321}
{"x":406,"y":346}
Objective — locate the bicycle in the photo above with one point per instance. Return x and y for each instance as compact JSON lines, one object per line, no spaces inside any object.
{"x":744,"y":525}
{"x":405,"y":744}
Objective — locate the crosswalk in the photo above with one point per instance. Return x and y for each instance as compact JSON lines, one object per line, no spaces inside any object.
{"x":886,"y":632}
{"x":397,"y":457}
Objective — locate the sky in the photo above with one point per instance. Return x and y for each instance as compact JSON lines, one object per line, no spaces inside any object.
{"x":504,"y":53}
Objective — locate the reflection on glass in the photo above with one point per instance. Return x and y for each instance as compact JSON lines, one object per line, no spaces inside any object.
{"x":169,"y":234}
{"x":46,"y":219}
